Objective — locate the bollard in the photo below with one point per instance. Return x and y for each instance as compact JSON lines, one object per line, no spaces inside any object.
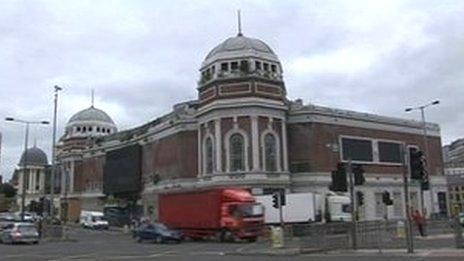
{"x":126,"y":229}
{"x":458,"y":233}
{"x":277,"y":237}
{"x":400,"y":229}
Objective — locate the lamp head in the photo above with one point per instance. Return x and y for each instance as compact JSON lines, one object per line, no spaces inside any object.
{"x":9,"y":119}
{"x":408,"y":109}
{"x":435,"y":102}
{"x":45,"y":122}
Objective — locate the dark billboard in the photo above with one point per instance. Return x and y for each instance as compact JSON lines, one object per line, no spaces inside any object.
{"x":122,"y":171}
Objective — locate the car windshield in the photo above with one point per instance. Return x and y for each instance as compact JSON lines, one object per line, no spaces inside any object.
{"x":6,"y":217}
{"x":161,"y":227}
{"x":98,"y":218}
{"x":346,"y":208}
{"x":27,"y":229}
{"x":250,"y":210}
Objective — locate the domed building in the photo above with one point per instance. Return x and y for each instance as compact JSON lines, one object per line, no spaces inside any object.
{"x":81,"y":132}
{"x":242,"y":111}
{"x":33,"y":169}
{"x":251,"y":61}
{"x":91,"y":122}
{"x":35,"y":157}
{"x":242,"y":131}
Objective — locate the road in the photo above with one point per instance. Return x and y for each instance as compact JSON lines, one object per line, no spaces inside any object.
{"x":114,"y":245}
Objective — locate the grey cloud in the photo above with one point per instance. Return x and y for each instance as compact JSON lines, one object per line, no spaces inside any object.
{"x":142,"y":57}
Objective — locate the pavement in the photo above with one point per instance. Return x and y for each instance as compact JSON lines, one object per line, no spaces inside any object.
{"x":435,"y":245}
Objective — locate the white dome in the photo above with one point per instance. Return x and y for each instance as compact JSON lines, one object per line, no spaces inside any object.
{"x":238,"y":47}
{"x":91,"y":122}
{"x":91,"y":114}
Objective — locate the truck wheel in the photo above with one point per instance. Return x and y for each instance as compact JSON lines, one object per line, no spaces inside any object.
{"x":223,"y":235}
{"x":229,"y":236}
{"x":252,"y":239}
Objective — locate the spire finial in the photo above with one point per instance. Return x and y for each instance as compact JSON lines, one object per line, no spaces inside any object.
{"x":93,"y":94}
{"x":239,"y":23}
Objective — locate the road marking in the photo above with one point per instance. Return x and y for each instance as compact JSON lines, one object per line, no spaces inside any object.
{"x":73,"y":257}
{"x":165,"y":253}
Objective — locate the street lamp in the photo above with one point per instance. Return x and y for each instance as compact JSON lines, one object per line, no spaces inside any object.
{"x":426,"y":147}
{"x":23,"y":185}
{"x":52,"y":176}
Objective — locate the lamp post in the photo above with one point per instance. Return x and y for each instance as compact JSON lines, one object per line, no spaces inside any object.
{"x":24,"y":163}
{"x":426,"y":147}
{"x":52,"y":176}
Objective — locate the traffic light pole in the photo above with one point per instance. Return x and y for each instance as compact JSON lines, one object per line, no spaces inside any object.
{"x":354,"y":229}
{"x":406,"y":173}
{"x":426,"y":148}
{"x":281,"y":214}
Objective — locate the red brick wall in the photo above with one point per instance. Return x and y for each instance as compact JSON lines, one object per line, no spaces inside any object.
{"x":307,"y":144}
{"x":171,"y":157}
{"x":78,"y":172}
{"x":235,"y":88}
{"x":92,"y":171}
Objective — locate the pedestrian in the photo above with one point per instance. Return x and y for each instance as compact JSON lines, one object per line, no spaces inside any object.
{"x":420,"y":222}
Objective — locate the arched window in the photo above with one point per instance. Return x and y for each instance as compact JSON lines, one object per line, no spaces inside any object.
{"x":270,"y":152}
{"x":237,"y":152}
{"x":209,"y":163}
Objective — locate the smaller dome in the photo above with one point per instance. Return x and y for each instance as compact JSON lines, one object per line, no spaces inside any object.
{"x":35,"y":157}
{"x":91,"y":114}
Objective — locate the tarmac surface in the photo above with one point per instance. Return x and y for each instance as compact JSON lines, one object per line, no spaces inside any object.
{"x":115,"y":245}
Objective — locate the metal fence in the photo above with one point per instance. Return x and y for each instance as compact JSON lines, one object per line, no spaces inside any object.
{"x":52,"y":231}
{"x":327,"y":236}
{"x":379,"y":234}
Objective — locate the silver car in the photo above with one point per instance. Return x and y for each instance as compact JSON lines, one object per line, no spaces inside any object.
{"x":19,"y":233}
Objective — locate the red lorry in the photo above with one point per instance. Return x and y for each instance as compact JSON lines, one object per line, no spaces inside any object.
{"x":224,"y":213}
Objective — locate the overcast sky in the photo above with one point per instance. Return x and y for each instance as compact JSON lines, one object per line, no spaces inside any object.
{"x":141,"y":57}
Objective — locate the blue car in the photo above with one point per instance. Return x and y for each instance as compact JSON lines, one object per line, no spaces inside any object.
{"x":158,"y":233}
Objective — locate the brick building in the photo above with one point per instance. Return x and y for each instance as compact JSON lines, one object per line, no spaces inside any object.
{"x":242,"y":130}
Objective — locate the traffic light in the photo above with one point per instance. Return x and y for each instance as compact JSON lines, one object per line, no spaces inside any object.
{"x":386,"y":198}
{"x":417,"y":164}
{"x":278,"y":194}
{"x":358,"y":172}
{"x":425,"y":184}
{"x":275,"y":200}
{"x":360,"y":198}
{"x":339,"y":179}
{"x":282,"y":197}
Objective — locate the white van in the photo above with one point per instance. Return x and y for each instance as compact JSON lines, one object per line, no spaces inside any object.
{"x":93,"y":220}
{"x":339,"y":208}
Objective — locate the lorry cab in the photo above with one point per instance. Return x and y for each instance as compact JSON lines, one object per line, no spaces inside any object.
{"x":223,"y":213}
{"x":93,"y":220}
{"x":339,"y":208}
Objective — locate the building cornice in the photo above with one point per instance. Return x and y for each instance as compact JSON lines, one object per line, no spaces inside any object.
{"x":317,"y":114}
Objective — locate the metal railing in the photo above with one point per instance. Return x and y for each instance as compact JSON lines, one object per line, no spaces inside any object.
{"x":380,"y":234}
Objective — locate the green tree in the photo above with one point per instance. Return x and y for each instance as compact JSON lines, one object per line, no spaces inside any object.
{"x":8,"y":190}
